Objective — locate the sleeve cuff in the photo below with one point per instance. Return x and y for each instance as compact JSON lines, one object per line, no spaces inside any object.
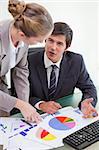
{"x":37,"y":105}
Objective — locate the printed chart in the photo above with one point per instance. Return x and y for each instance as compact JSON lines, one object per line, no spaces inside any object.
{"x":62,"y":123}
{"x":8,"y":125}
{"x":44,"y":135}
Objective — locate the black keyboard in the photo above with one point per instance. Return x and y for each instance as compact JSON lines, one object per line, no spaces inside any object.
{"x":84,"y":137}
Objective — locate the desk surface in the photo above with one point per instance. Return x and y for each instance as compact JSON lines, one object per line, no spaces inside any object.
{"x":72,"y":100}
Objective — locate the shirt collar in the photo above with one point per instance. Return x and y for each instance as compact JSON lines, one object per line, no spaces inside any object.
{"x":48,"y":62}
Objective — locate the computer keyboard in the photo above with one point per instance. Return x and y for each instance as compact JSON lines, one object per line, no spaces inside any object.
{"x":84,"y":137}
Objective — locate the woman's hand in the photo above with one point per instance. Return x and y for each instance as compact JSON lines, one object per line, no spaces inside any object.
{"x":28,"y":111}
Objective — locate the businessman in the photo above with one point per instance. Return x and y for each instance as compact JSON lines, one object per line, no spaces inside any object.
{"x":56,"y":72}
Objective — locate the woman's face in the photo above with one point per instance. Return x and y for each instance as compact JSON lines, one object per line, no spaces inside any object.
{"x":34,"y":40}
{"x":17,"y":35}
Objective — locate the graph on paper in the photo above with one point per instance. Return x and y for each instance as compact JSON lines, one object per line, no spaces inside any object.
{"x":44,"y":135}
{"x":62,"y":123}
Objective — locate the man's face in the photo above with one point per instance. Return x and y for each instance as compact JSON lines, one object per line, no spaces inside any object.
{"x":55,"y":47}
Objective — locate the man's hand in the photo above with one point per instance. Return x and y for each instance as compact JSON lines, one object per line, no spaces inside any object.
{"x":49,"y":107}
{"x":28,"y":111}
{"x":87,"y":109}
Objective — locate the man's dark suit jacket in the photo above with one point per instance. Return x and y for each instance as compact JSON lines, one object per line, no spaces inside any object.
{"x":72,"y":74}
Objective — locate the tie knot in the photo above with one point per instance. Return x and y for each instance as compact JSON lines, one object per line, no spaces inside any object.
{"x":53,"y":67}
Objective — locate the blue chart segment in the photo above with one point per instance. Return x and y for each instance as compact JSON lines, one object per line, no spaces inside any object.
{"x":62,"y":123}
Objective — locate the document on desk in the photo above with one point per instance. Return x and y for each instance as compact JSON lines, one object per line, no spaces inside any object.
{"x":48,"y":134}
{"x":19,"y":142}
{"x":3,"y":140}
{"x":66,"y":123}
{"x":8,"y":126}
{"x":16,"y":131}
{"x":37,"y":137}
{"x":3,"y":135}
{"x":34,"y":137}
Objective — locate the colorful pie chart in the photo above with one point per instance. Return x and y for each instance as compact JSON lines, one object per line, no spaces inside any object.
{"x":45,"y":135}
{"x":62,"y":123}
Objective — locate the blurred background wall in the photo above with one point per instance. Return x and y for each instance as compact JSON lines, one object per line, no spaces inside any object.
{"x":83,"y":18}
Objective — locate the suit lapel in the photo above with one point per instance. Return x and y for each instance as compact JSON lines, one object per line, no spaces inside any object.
{"x":42,"y":74}
{"x":65,"y":65}
{"x":20,"y":53}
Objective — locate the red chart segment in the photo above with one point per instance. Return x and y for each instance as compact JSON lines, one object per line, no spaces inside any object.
{"x":44,"y":133}
{"x":62,"y":123}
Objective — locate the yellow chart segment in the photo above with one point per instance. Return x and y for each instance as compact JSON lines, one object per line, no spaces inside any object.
{"x":49,"y":137}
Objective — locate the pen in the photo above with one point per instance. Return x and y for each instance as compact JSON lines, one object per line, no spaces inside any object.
{"x":26,"y":122}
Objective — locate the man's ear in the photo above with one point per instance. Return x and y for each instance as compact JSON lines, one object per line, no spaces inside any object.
{"x":65,"y":50}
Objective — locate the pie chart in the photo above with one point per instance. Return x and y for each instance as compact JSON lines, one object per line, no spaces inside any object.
{"x":62,"y":123}
{"x":45,"y":135}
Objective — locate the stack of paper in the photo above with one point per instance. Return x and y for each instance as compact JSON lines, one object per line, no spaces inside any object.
{"x":47,"y":135}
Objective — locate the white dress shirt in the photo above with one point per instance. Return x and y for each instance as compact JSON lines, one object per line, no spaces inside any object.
{"x":48,"y":63}
{"x":13,"y":52}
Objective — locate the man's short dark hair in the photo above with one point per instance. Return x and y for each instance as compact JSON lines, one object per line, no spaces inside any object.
{"x":61,"y":28}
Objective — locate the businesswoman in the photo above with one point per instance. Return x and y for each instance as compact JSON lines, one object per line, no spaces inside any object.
{"x":31,"y":24}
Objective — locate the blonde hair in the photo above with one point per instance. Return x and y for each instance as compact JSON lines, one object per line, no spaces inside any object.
{"x":31,"y":18}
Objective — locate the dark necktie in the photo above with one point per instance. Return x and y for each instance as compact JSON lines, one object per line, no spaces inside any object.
{"x":52,"y":87}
